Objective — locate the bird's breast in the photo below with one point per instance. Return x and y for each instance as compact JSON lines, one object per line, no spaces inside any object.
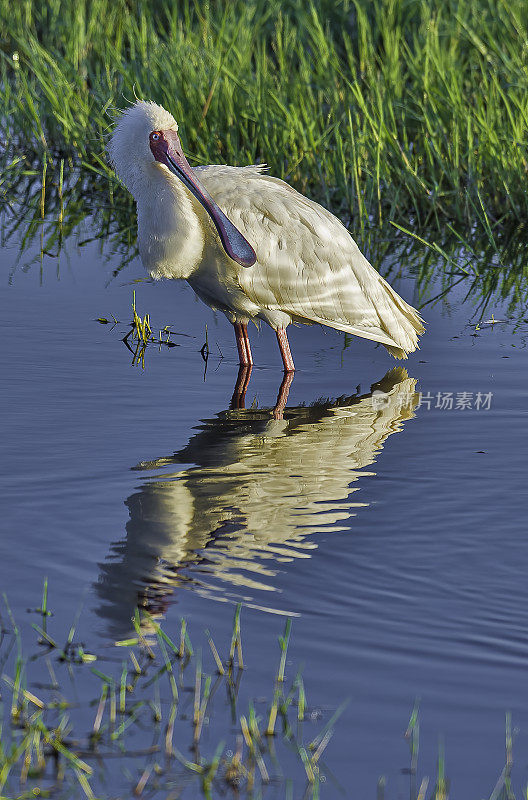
{"x":171,"y":236}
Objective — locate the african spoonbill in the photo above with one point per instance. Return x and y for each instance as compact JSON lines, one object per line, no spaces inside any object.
{"x":249,"y":244}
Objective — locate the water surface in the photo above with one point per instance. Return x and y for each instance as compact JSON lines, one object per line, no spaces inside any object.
{"x":391,"y":527}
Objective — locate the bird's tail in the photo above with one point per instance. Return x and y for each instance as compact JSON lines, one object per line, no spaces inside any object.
{"x":401,"y":322}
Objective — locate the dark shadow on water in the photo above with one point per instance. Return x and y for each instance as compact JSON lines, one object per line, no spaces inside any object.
{"x":259,"y":490}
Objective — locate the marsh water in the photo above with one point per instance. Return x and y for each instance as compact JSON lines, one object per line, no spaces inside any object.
{"x":391,"y":527}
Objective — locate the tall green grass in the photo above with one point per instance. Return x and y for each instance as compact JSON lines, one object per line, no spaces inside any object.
{"x":407,"y":110}
{"x":410,"y":112}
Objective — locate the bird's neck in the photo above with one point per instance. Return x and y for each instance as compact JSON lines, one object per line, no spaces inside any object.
{"x":171,"y":237}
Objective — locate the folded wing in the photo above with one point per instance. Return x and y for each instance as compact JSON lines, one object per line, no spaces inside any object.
{"x":308,"y":265}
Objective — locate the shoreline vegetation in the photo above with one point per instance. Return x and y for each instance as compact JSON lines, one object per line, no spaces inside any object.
{"x":407,"y":118}
{"x":394,"y":110}
{"x":398,"y":110}
{"x":151,"y":720}
{"x":144,"y":720}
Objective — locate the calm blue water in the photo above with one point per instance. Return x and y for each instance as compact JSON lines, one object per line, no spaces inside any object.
{"x":395,"y":536}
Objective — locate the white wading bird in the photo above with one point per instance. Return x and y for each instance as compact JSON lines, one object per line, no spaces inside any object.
{"x":249,"y":244}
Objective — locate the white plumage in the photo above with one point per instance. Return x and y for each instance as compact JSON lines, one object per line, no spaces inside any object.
{"x":308,"y":269}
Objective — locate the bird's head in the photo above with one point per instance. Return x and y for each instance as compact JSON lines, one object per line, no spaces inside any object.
{"x":129,"y":148}
{"x":146,"y":136}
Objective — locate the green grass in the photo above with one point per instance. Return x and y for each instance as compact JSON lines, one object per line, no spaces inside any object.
{"x":388,"y":110}
{"x":410,"y":112}
{"x":138,"y":336}
{"x":145,"y":717}
{"x":152,"y":720}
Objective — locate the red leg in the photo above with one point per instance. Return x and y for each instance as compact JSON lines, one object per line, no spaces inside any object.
{"x":287,"y":359}
{"x":242,"y":340}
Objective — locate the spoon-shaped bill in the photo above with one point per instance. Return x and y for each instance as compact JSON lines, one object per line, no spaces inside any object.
{"x":166,"y":148}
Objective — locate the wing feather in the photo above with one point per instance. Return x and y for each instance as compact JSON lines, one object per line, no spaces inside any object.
{"x":308,"y":265}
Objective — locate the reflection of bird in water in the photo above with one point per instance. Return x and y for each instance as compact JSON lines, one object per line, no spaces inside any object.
{"x":259,"y":489}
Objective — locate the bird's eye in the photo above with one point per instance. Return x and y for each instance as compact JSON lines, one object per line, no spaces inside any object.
{"x":155,"y":136}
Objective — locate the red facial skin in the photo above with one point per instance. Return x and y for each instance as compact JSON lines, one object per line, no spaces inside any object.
{"x":160,"y":143}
